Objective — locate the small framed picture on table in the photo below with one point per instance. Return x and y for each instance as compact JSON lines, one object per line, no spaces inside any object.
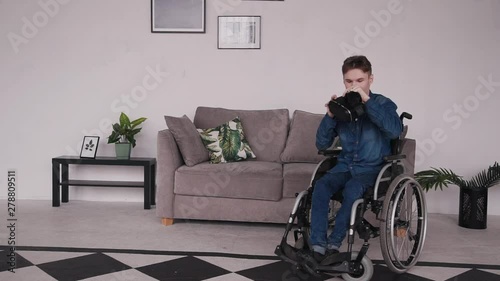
{"x":89,"y":147}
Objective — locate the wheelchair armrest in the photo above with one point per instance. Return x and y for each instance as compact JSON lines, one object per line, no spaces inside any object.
{"x":392,"y":158}
{"x":330,"y":152}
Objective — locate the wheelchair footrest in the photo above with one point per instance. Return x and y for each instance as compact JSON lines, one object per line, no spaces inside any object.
{"x":286,"y":253}
{"x":298,"y":258}
{"x":336,"y":258}
{"x":333,"y":264}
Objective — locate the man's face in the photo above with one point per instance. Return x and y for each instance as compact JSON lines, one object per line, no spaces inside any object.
{"x":356,"y":77}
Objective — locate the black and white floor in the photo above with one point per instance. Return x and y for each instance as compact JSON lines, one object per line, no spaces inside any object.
{"x":68,"y":264}
{"x":121,"y":241}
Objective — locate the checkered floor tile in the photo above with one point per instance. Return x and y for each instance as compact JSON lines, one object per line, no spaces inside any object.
{"x":71,"y":264}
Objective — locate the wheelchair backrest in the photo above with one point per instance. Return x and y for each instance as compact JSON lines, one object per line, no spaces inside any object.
{"x":408,"y":148}
{"x":405,"y":146}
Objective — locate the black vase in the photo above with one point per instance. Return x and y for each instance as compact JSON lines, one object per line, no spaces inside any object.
{"x":473,"y":206}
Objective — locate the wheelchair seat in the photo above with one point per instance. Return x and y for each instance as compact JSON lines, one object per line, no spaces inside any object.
{"x":396,"y":149}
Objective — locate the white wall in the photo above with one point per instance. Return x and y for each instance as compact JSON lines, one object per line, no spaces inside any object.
{"x":71,"y":75}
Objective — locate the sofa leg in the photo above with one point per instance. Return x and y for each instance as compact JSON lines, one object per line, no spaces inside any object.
{"x":167,"y":221}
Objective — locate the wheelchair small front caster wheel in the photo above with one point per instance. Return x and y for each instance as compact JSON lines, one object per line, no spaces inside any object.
{"x":364,"y":272}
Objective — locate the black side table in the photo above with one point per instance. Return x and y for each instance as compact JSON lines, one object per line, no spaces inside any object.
{"x":60,"y":176}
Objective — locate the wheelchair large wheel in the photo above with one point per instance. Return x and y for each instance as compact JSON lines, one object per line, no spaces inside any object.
{"x":403,"y":229}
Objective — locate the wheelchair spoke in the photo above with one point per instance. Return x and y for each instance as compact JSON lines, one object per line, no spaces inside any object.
{"x":412,"y":214}
{"x":403,"y":248}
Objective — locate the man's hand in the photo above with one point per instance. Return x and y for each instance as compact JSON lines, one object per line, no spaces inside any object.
{"x":328,"y":108}
{"x":364,"y":96}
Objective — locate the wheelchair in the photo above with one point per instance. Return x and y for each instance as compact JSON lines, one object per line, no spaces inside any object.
{"x":398,"y":203}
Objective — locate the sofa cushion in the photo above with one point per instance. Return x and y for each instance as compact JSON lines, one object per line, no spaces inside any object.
{"x":301,"y":142}
{"x":226,"y":143}
{"x":265,"y":130}
{"x":233,"y":209}
{"x":296,"y":178}
{"x":188,"y":140}
{"x":246,"y":179}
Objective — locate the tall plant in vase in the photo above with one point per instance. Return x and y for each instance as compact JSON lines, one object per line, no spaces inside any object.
{"x":473,"y":193}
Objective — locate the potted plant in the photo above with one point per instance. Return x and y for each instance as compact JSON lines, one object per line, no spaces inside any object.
{"x":123,"y":135}
{"x":473,"y":193}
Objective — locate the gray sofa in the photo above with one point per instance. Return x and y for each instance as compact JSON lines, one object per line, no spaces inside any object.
{"x":260,"y":189}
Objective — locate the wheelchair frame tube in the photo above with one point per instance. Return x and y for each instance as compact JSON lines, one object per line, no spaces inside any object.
{"x":350,"y":238}
{"x":316,"y":170}
{"x":380,"y":179}
{"x":296,"y":205}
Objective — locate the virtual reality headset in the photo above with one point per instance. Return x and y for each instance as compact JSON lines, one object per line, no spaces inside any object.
{"x":347,"y":108}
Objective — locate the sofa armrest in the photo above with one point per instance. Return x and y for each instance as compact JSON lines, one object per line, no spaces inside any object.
{"x":169,"y":159}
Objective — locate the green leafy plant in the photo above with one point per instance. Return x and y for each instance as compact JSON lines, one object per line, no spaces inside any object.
{"x":441,"y":177}
{"x":125,"y":131}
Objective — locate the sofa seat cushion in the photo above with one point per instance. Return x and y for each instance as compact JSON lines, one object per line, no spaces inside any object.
{"x":297,"y":177}
{"x":245,"y":180}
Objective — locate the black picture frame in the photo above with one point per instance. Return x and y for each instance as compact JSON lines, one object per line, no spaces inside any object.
{"x":178,"y":16}
{"x":238,"y":32}
{"x":89,"y":147}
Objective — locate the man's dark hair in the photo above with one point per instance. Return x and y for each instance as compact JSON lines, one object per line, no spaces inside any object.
{"x":357,"y":62}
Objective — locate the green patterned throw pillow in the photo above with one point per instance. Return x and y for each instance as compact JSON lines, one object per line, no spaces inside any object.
{"x":226,"y":143}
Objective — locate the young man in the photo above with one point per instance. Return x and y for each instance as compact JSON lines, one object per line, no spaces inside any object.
{"x":365,"y":142}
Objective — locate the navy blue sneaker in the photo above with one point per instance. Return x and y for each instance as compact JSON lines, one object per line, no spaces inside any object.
{"x":331,"y":256}
{"x":318,"y":257}
{"x":330,"y":252}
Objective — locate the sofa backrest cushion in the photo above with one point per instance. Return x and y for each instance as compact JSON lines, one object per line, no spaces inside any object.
{"x":265,"y":130}
{"x":301,"y":142}
{"x":226,"y":142}
{"x":188,"y":140}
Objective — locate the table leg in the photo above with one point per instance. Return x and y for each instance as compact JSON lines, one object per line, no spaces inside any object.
{"x":55,"y":184}
{"x":147,"y":186}
{"x":64,"y":187}
{"x":153,"y":185}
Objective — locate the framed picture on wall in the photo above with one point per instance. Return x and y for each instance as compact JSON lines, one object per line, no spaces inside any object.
{"x":238,"y":32}
{"x":182,"y":16}
{"x":89,"y":147}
